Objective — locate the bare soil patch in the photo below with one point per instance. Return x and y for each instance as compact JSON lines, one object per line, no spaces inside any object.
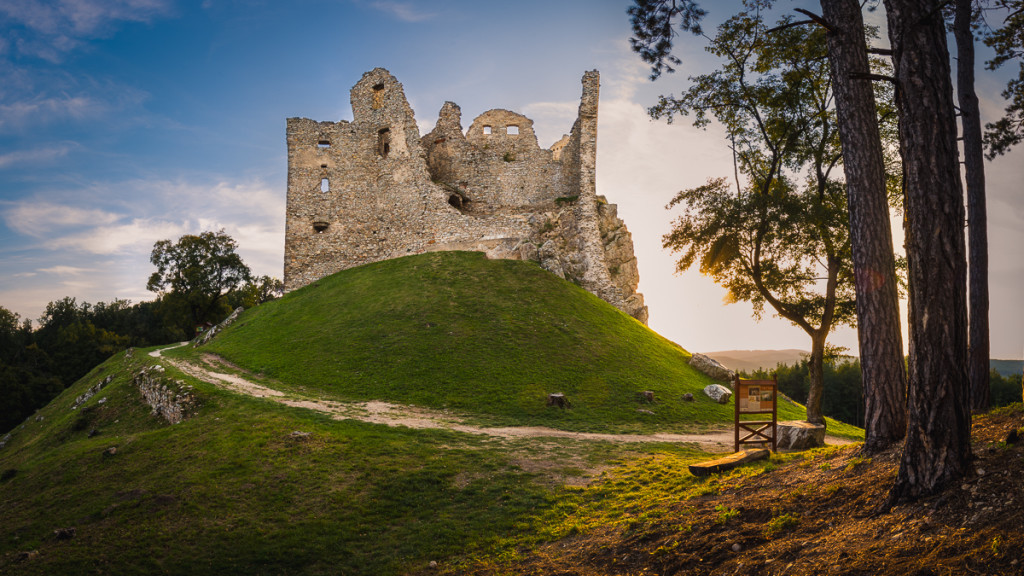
{"x":819,"y":516}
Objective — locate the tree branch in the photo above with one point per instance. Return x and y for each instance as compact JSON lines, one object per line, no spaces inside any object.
{"x":863,"y":76}
{"x":818,"y":20}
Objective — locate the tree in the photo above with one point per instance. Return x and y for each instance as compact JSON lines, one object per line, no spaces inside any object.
{"x":864,"y":163}
{"x":1008,"y":43}
{"x":775,"y":240}
{"x":937,"y":450}
{"x":977,"y":222}
{"x":878,"y":331}
{"x":197,"y":272}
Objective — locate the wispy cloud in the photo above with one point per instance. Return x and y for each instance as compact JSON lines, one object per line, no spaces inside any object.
{"x":33,"y":156}
{"x":57,"y":27}
{"x":65,"y":270}
{"x":44,"y":219}
{"x":404,"y":11}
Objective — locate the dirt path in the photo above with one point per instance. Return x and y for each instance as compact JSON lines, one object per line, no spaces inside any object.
{"x":378,"y":412}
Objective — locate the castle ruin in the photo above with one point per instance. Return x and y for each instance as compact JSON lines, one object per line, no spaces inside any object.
{"x":373,"y":189}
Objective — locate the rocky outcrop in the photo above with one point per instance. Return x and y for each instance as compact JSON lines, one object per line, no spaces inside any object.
{"x":92,"y":391}
{"x":171,"y":400}
{"x":712,"y":368}
{"x":209,"y":334}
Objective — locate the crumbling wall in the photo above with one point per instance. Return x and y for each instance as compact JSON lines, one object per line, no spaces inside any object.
{"x":372,"y":189}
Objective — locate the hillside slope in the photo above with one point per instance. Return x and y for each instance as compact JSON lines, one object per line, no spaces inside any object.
{"x":454,"y":330}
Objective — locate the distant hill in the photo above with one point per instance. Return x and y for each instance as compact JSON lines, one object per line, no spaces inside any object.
{"x":1007,"y":367}
{"x":750,"y":360}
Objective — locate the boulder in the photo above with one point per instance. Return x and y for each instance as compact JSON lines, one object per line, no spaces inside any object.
{"x":800,"y":435}
{"x":711,"y":367}
{"x":718,"y":393}
{"x":687,"y":397}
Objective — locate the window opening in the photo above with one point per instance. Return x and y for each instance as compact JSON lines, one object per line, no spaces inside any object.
{"x":487,"y":129}
{"x":319,"y":226}
{"x":323,"y":144}
{"x":384,"y":142}
{"x":325,"y":185}
{"x":513,"y":130}
{"x":378,"y":96}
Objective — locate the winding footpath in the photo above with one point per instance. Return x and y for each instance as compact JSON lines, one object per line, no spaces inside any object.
{"x":377,"y":412}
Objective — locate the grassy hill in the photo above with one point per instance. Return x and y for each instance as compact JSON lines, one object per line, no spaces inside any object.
{"x":492,"y":338}
{"x":234,"y":489}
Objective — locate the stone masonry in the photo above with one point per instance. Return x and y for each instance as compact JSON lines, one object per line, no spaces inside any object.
{"x":373,"y":189}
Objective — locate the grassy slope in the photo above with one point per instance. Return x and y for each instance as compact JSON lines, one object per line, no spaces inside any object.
{"x":230,"y":491}
{"x":488,"y":337}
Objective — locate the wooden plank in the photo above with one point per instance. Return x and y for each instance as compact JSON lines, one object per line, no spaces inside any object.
{"x":729,"y":462}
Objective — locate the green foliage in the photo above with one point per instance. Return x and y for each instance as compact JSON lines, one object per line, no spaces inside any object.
{"x":454,"y":330}
{"x":780,"y":524}
{"x":652,"y":22}
{"x":844,"y":400}
{"x":725,"y":513}
{"x":1004,"y":390}
{"x":509,"y":157}
{"x":561,"y":200}
{"x":1008,"y":44}
{"x":198,"y":271}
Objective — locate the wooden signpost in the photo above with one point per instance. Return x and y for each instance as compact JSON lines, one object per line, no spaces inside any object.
{"x":756,"y":397}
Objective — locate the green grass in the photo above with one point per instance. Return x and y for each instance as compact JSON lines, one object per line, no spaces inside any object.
{"x":232,"y":491}
{"x":492,"y":338}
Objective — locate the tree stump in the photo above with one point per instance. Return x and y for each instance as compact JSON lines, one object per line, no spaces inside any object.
{"x":647,"y":396}
{"x":558,"y":399}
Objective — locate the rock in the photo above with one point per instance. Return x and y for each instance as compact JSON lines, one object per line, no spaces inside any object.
{"x":718,"y":393}
{"x":26,"y":555}
{"x":94,"y":432}
{"x":300,"y":434}
{"x":647,"y":396}
{"x":642,"y":411}
{"x":110,"y":451}
{"x":800,"y":435}
{"x":433,"y":564}
{"x":711,"y":367}
{"x":64,"y":533}
{"x":1012,"y":437}
{"x":687,"y":397}
{"x":736,"y":547}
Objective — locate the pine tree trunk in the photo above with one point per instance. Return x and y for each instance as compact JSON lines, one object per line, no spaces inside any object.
{"x":977,"y":221}
{"x":878,"y":315}
{"x":937,"y":451}
{"x":816,"y":374}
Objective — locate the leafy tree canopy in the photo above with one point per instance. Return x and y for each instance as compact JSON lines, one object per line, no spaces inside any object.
{"x":198,"y":271}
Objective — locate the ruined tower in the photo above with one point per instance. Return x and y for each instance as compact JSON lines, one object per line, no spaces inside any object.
{"x":373,"y":189}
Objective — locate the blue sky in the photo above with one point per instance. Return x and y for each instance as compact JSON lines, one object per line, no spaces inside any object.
{"x":123,"y":122}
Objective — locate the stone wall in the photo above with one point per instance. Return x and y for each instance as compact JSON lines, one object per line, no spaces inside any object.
{"x":373,"y":189}
{"x":171,"y":400}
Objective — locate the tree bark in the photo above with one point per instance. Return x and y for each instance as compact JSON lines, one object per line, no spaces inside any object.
{"x":937,"y":451}
{"x":977,"y":221}
{"x":878,"y":315}
{"x":815,"y":369}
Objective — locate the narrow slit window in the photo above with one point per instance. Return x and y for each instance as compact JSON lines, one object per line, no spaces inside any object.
{"x":513,"y":130}
{"x":325,"y":185}
{"x":378,"y":96}
{"x":323,"y":144}
{"x":384,"y":142}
